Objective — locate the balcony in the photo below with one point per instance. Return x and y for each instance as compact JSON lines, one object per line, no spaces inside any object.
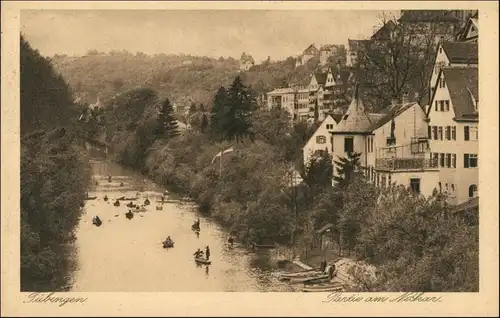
{"x":418,"y":163}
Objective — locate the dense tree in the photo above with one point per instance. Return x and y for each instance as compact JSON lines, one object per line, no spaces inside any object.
{"x":45,"y":98}
{"x":397,"y":63}
{"x":232,"y":112}
{"x":55,"y":173}
{"x":346,"y":168}
{"x":166,"y":121}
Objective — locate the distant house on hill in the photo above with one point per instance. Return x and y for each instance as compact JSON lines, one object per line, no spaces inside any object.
{"x":329,"y":50}
{"x":246,"y":62}
{"x":310,"y":52}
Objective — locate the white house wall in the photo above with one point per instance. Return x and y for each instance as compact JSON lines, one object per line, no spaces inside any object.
{"x":429,"y":179}
{"x":461,"y":178}
{"x":312,"y":145}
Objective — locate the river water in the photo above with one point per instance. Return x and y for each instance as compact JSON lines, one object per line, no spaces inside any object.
{"x":125,"y":255}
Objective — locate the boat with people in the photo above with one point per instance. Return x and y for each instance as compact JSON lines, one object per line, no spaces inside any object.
{"x":131,"y":204}
{"x":159,"y":208}
{"x":96,"y":221}
{"x":196,"y":226}
{"x":140,"y":209}
{"x":202,"y":261}
{"x":129,"y":215}
{"x":168,"y":243}
{"x":117,"y":203}
{"x":106,"y":198}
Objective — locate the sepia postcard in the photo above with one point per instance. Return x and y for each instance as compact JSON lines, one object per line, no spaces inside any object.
{"x":249,"y":158}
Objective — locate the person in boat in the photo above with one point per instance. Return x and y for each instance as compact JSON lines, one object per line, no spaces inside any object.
{"x":146,"y":202}
{"x":207,"y":252}
{"x":162,"y":198}
{"x":198,"y":253}
{"x":231,"y":240}
{"x":121,"y":184}
{"x":97,"y":219}
{"x":168,"y":240}
{"x":105,"y":198}
{"x":109,"y":178}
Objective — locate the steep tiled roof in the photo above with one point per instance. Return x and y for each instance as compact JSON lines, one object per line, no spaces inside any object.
{"x":461,"y":52}
{"x":428,"y":16}
{"x":320,"y":77}
{"x":355,"y":120}
{"x":392,"y":112}
{"x":311,"y":49}
{"x":461,"y":83}
{"x":387,"y":27}
{"x":468,"y":205}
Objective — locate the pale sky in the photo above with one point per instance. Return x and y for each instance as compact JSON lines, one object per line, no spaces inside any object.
{"x":214,"y":33}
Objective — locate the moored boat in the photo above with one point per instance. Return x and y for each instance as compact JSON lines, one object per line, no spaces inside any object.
{"x":129,"y":199}
{"x":90,"y":198}
{"x":117,"y":203}
{"x":318,"y":278}
{"x":129,"y":215}
{"x":323,"y":289}
{"x":202,"y":261}
{"x":302,"y":274}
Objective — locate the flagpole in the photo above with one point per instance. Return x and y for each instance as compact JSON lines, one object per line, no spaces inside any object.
{"x":220,"y":164}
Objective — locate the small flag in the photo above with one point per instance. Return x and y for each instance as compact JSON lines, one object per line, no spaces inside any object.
{"x":228,"y":150}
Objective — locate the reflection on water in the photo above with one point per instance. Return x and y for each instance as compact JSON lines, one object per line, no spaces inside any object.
{"x":127,"y":255}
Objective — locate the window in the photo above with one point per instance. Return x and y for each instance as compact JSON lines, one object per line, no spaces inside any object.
{"x":453,"y":160}
{"x":371,"y":142}
{"x":415,"y":185}
{"x":446,"y":188}
{"x":472,"y":190}
{"x":452,"y":187}
{"x":440,"y":188}
{"x":466,"y":133}
{"x":441,"y":159}
{"x":447,"y":133}
{"x":441,"y":105}
{"x":348,"y":144}
{"x":390,"y":180}
{"x":429,"y":132}
{"x":447,"y":105}
{"x":331,"y":142}
{"x":454,"y":133}
{"x":436,"y":106}
{"x":435,"y":131}
{"x":320,"y":139}
{"x":470,"y":160}
{"x":473,"y":133}
{"x":448,"y":160}
{"x":440,"y":130}
{"x":435,"y":159}
{"x":383,"y":181}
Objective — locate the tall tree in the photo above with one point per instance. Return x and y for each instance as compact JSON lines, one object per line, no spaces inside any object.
{"x":167,"y":123}
{"x":395,"y":62}
{"x":232,"y":112}
{"x":346,"y":168}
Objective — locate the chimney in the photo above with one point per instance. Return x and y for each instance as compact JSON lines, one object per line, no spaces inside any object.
{"x":394,"y":101}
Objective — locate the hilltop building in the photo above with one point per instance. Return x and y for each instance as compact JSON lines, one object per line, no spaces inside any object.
{"x":246,"y":62}
{"x":310,"y":52}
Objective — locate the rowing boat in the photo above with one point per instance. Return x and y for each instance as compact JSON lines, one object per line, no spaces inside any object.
{"x":168,"y":244}
{"x":90,"y":198}
{"x":300,"y":274}
{"x":308,"y":279}
{"x":202,"y":261}
{"x":322,"y":289}
{"x":128,"y":199}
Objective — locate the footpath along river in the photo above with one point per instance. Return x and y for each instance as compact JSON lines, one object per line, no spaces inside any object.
{"x":127,"y":255}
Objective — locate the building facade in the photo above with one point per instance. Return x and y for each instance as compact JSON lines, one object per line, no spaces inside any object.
{"x":321,"y":140}
{"x":454,"y":132}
